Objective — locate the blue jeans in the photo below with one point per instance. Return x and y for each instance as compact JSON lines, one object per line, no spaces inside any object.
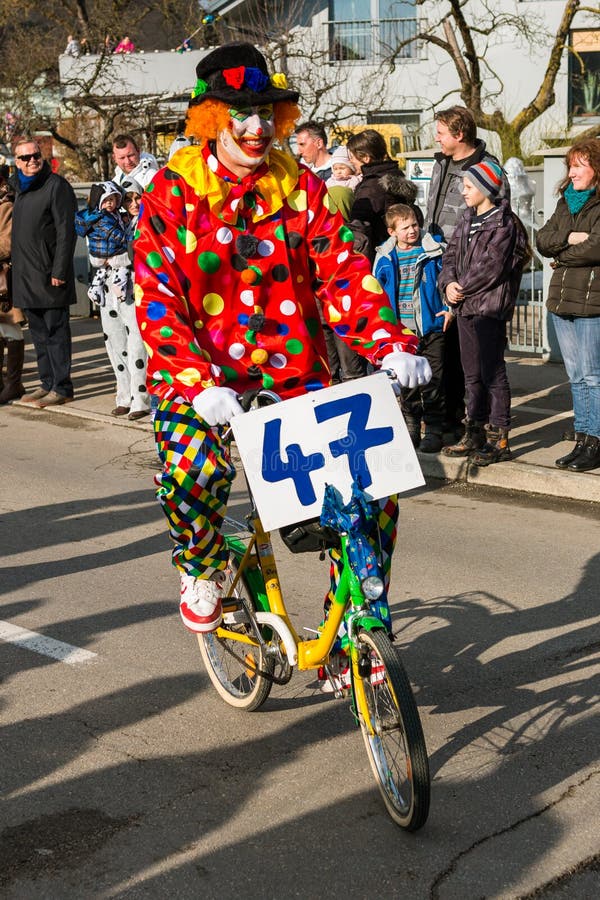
{"x":579,"y":341}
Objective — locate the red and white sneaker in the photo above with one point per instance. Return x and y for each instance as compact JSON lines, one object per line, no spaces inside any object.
{"x":200,"y":604}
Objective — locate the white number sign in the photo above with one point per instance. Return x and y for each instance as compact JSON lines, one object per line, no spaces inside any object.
{"x":350,"y":432}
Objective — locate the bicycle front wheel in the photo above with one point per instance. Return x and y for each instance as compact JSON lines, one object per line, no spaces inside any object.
{"x":391,"y":728}
{"x":237,"y":666}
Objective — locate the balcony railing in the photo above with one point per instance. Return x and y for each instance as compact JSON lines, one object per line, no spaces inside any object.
{"x":369,"y":41}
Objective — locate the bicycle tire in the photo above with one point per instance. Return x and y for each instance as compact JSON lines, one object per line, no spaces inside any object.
{"x":391,"y":729}
{"x":238,"y":680}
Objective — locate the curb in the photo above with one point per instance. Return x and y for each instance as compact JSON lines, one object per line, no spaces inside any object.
{"x":104,"y":418}
{"x":525,"y":477}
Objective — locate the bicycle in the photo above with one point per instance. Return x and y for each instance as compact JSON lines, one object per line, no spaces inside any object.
{"x":257,"y":647}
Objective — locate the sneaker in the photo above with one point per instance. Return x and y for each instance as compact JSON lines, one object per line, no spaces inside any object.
{"x":200,"y":604}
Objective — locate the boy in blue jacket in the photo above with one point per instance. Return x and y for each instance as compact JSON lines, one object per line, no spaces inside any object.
{"x":407,"y":266}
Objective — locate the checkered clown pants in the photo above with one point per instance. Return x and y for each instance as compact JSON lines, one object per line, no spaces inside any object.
{"x":193,"y":489}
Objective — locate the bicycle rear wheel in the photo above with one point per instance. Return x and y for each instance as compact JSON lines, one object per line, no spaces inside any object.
{"x":391,"y":729}
{"x":239,"y":670}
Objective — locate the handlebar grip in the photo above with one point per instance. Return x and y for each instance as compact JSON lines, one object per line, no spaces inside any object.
{"x":247,"y":397}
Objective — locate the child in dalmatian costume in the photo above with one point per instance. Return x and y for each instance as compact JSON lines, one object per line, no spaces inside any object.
{"x":111,"y":290}
{"x":235,"y":241}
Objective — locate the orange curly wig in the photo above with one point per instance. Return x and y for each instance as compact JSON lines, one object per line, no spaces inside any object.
{"x":205,"y":120}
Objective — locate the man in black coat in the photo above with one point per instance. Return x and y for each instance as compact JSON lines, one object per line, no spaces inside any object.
{"x":43,"y":242}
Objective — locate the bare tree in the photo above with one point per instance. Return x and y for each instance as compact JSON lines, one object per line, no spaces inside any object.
{"x":466,"y":34}
{"x":82,"y":113}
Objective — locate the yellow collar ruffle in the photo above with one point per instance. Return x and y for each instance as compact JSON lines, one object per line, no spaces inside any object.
{"x":272,"y":187}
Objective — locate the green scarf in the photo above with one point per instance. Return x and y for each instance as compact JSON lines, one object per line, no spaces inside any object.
{"x":576,"y":200}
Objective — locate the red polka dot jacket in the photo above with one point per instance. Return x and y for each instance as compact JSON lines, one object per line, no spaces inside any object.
{"x":227,"y":272}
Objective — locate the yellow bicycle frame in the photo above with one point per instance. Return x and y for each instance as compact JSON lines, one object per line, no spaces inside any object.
{"x":311,"y":653}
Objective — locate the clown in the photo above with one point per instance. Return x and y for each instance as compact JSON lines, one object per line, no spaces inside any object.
{"x":235,"y":241}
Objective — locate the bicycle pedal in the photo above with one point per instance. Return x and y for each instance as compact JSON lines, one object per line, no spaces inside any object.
{"x":233,"y":612}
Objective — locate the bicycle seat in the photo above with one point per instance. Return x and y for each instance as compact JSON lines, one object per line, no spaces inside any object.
{"x":309,"y":537}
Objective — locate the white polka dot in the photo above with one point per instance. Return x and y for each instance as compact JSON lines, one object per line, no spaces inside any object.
{"x":235,"y":203}
{"x":346,"y":302}
{"x":343,"y":256}
{"x":236,"y":351}
{"x":278,"y":361}
{"x":287,"y":307}
{"x":266,"y":248}
{"x":163,"y":289}
{"x":215,"y":371}
{"x":212,"y":163}
{"x":247,"y":298}
{"x":378,"y":335}
{"x":259,"y":209}
{"x":310,"y":215}
{"x":156,"y":375}
{"x":169,"y":254}
{"x":224,"y":236}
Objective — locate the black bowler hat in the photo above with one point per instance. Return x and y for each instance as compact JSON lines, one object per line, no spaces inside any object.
{"x":237,"y":74}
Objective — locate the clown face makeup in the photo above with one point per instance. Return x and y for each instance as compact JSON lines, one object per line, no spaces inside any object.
{"x":244,"y":145}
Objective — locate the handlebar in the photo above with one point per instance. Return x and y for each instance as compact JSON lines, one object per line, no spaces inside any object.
{"x":265,"y":397}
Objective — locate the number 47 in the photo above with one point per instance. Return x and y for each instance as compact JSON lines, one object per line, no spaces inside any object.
{"x":299,"y":466}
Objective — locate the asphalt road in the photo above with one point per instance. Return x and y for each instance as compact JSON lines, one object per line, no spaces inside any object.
{"x":124,"y":775}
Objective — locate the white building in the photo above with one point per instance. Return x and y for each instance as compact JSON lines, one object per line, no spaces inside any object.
{"x":354,"y":36}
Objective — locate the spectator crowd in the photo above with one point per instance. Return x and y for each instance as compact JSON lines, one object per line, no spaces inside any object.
{"x":451,"y":272}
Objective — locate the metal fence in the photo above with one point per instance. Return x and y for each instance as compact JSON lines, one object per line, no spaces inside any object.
{"x":526,"y":328}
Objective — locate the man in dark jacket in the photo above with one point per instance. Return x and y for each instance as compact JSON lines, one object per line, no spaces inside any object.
{"x":43,"y":241}
{"x":456,"y":133}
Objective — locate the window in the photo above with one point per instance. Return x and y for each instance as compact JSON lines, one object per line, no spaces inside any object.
{"x":400,"y":129}
{"x":584,"y":76}
{"x":371,"y":29}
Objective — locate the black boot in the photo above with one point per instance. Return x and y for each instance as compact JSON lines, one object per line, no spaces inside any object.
{"x":473,"y":439}
{"x":13,"y":388}
{"x":414,"y":429}
{"x":432,"y":441}
{"x":564,"y":461}
{"x":589,"y":458}
{"x":2,"y":346}
{"x":495,"y":449}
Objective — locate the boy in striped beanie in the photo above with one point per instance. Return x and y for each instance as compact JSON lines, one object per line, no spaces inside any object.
{"x":486,"y":176}
{"x":481,"y":274}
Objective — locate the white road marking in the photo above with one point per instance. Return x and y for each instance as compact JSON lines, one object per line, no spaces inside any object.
{"x":41,"y":643}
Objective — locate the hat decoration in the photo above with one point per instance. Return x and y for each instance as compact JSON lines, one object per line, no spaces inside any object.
{"x":248,"y":84}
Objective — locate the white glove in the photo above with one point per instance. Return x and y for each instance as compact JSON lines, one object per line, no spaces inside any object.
{"x":216,"y":405}
{"x":410,"y":370}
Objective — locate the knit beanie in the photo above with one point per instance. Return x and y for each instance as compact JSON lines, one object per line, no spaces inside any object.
{"x":340,"y":155}
{"x":486,"y":176}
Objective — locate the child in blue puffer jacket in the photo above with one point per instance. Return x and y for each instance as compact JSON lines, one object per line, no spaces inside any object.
{"x":407,"y":266}
{"x":106,"y":233}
